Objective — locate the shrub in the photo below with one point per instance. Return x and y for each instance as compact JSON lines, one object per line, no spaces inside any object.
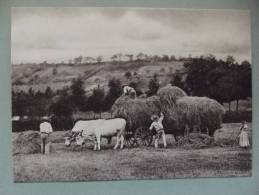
{"x":25,"y":125}
{"x":237,"y":117}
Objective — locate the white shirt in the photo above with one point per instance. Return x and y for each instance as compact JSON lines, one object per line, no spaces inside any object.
{"x":157,"y":124}
{"x":128,"y":90}
{"x":46,"y":127}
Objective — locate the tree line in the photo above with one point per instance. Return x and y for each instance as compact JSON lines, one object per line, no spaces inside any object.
{"x":66,"y":101}
{"x":223,"y":80}
{"x":118,"y":58}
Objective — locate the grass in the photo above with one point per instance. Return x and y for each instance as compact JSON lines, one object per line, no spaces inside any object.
{"x":76,"y":164}
{"x":228,"y":134}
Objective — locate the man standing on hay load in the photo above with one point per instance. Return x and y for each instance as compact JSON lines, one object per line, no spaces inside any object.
{"x":127,"y":90}
{"x":159,"y":128}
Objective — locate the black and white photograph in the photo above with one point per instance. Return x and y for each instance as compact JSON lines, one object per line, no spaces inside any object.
{"x":128,"y":93}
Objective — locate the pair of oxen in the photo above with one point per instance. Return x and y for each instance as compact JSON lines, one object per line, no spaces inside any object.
{"x":94,"y":130}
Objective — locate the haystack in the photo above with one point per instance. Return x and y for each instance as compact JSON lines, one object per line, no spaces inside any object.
{"x":27,"y":142}
{"x":136,"y":111}
{"x":168,"y":96}
{"x":179,"y":110}
{"x":201,"y":112}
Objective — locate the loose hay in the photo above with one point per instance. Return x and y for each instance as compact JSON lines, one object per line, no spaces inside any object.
{"x":27,"y":142}
{"x":201,"y":112}
{"x":180,"y":111}
{"x":136,"y":112}
{"x":168,"y":96}
{"x":195,"y":141}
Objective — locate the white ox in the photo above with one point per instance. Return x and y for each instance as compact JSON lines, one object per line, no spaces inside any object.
{"x":96,"y":129}
{"x":79,"y":127}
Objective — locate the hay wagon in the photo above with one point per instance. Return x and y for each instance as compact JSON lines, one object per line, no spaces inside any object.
{"x":182,"y":113}
{"x":142,"y":136}
{"x":137,"y":113}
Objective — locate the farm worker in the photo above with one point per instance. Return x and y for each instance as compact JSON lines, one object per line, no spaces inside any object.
{"x":127,"y":90}
{"x":45,"y":130}
{"x":159,"y":129}
{"x":243,"y":136}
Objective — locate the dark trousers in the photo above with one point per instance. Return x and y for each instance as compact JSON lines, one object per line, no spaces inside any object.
{"x":43,"y":142}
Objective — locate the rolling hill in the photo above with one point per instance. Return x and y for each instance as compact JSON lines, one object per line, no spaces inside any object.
{"x":57,"y":76}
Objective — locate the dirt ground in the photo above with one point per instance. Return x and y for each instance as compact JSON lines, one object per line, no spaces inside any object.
{"x":77,"y":164}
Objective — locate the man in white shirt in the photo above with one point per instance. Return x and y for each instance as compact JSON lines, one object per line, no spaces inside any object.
{"x":127,"y":90}
{"x":159,"y":128}
{"x":45,"y":130}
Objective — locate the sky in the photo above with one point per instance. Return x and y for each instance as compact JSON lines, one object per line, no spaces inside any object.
{"x":59,"y":34}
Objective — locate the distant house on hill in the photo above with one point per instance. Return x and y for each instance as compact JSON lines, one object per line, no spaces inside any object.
{"x":88,"y":60}
{"x":78,"y":60}
{"x":16,"y":118}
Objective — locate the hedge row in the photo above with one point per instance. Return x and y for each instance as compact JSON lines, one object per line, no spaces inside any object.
{"x":237,"y":117}
{"x":66,"y":123}
{"x":58,"y":124}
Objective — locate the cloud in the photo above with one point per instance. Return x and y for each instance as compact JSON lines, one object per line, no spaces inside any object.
{"x":56,"y":34}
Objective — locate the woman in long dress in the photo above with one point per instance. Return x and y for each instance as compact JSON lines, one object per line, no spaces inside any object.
{"x":243,"y":136}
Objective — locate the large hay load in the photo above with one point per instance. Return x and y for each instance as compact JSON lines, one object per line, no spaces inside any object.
{"x":180,"y":111}
{"x":136,"y":111}
{"x":201,"y":112}
{"x":169,"y":94}
{"x":27,"y":142}
{"x":168,"y":97}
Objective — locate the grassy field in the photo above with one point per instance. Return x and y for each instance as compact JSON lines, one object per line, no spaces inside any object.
{"x":76,"y":164}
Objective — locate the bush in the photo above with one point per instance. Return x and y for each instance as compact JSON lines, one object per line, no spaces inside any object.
{"x":25,"y":125}
{"x":59,"y":123}
{"x":62,"y":123}
{"x":237,"y":117}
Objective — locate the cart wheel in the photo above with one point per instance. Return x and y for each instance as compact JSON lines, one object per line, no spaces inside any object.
{"x":143,"y":136}
{"x":129,"y":139}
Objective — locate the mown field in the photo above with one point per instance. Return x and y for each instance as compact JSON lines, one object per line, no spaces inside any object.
{"x":76,"y":164}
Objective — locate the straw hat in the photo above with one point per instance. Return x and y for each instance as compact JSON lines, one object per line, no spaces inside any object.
{"x":154,"y":117}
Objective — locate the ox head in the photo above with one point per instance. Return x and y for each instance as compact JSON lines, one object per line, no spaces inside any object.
{"x":67,"y":141}
{"x":71,"y":138}
{"x":81,"y":139}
